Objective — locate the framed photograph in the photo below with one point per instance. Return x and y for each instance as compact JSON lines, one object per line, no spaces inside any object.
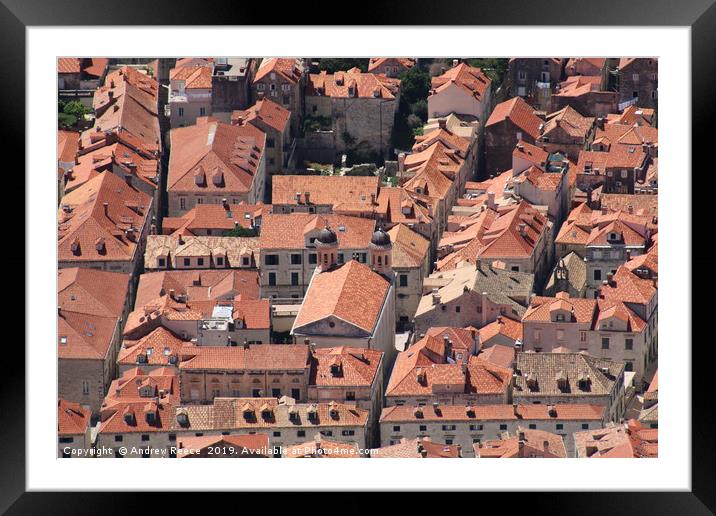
{"x":289,"y":241}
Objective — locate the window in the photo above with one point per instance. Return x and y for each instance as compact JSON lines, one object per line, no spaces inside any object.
{"x":256,"y":393}
{"x":605,"y":342}
{"x":448,"y":441}
{"x":295,"y":259}
{"x":182,"y":203}
{"x":270,"y":143}
{"x":200,"y":262}
{"x":629,"y":366}
{"x":66,"y":439}
{"x":272,"y":279}
{"x":245,"y":261}
{"x":635,"y":94}
{"x":403,"y":280}
{"x":118,"y":438}
{"x":532,"y":426}
{"x":653,"y":94}
{"x":474,"y":428}
{"x":172,"y":437}
{"x":145,"y":437}
{"x":560,"y":426}
{"x":187,"y":262}
{"x":448,"y":428}
{"x":271,"y":259}
{"x":585,"y":426}
{"x":522,"y":75}
{"x":327,"y":433}
{"x":519,"y":135}
{"x":396,"y":429}
{"x":161,"y":262}
{"x":276,"y":393}
{"x":260,"y":87}
{"x":277,"y":434}
{"x":521,"y":91}
{"x":457,"y":309}
{"x":583,"y":336}
{"x":85,"y":387}
{"x":597,"y":274}
{"x":313,"y":258}
{"x":301,"y":433}
{"x":348,"y":432}
{"x":628,"y":344}
{"x":181,"y":111}
{"x":635,"y":77}
{"x":503,"y":427}
{"x":296,"y":394}
{"x":294,"y":279}
{"x":560,"y":334}
{"x":515,"y":268}
{"x":220,"y":261}
{"x":423,"y":428}
{"x":202,"y":111}
{"x":350,"y":395}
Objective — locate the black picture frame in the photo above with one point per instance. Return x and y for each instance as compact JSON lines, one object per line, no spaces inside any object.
{"x":699,"y":15}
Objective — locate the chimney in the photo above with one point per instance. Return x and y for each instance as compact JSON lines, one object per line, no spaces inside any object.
{"x":401,"y":162}
{"x":436,"y":296}
{"x":307,"y":197}
{"x":600,"y":122}
{"x":297,"y":197}
{"x":522,"y":228}
{"x":128,"y":179}
{"x":225,"y":203}
{"x":172,"y":293}
{"x":610,"y":279}
{"x":442,"y":123}
{"x":521,"y":435}
{"x":455,"y":62}
{"x":106,"y":209}
{"x":372,"y":199}
{"x":491,"y":200}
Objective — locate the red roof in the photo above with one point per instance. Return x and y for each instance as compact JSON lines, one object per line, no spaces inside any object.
{"x":470,"y":79}
{"x":72,"y":418}
{"x":352,"y":292}
{"x":519,"y":113}
{"x":265,"y":111}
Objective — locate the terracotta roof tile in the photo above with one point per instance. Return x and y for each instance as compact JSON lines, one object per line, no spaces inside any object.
{"x":330,"y":190}
{"x":72,"y":418}
{"x":342,"y":366}
{"x":212,"y":156}
{"x":352,"y":84}
{"x":290,"y":230}
{"x":519,"y":113}
{"x":265,"y":111}
{"x":272,"y":357}
{"x":472,"y":80}
{"x":352,"y":292}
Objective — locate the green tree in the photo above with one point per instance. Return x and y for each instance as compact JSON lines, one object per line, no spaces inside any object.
{"x":239,"y":231}
{"x":76,"y":108}
{"x":336,"y":64}
{"x":414,"y":85}
{"x":494,"y":68}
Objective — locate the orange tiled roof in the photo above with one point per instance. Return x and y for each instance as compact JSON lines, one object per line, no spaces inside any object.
{"x":496,"y":234}
{"x":67,"y":145}
{"x":503,"y":356}
{"x":541,"y":308}
{"x":343,"y":366}
{"x":101,"y":221}
{"x":377,"y":62}
{"x":156,"y":347}
{"x":90,"y":304}
{"x":289,"y":69}
{"x":433,"y":170}
{"x":194,"y":77}
{"x":547,"y":181}
{"x":502,"y":412}
{"x":352,"y":292}
{"x":570,"y":121}
{"x":216,"y":217}
{"x":416,"y":449}
{"x":127,"y":105}
{"x":353,"y":83}
{"x":135,"y":385}
{"x":398,"y":205}
{"x":214,"y":157}
{"x":265,"y":111}
{"x":290,"y":230}
{"x":409,"y":248}
{"x":629,"y":288}
{"x":519,"y":113}
{"x":332,"y":190}
{"x":472,"y":80}
{"x":198,"y":285}
{"x":501,"y":326}
{"x":578,"y":85}
{"x":72,"y":418}
{"x":68,"y":65}
{"x":273,"y":357}
{"x":535,"y":444}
